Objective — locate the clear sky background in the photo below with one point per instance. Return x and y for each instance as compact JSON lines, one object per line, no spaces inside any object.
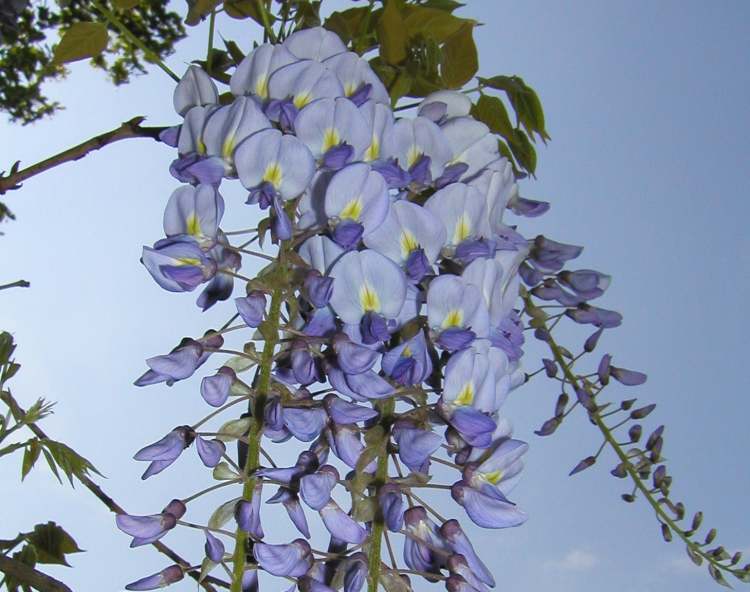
{"x":647,"y":167}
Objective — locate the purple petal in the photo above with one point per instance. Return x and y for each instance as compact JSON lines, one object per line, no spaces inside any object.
{"x":252,"y":308}
{"x":214,"y":548}
{"x":316,"y":489}
{"x":486,"y":511}
{"x":164,"y":578}
{"x":341,"y":525}
{"x":215,"y":389}
{"x":293,"y":559}
{"x":210,"y":451}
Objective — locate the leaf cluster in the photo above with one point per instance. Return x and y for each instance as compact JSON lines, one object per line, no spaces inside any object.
{"x":27,"y":60}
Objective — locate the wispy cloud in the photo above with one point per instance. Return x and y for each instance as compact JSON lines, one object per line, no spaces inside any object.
{"x":574,"y":560}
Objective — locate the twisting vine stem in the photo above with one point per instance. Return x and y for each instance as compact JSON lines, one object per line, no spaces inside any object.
{"x":271,"y":333}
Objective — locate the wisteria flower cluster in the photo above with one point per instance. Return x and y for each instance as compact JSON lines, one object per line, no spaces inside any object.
{"x":391,"y":337}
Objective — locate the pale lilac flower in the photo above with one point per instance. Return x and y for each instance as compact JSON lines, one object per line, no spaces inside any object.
{"x":500,"y":471}
{"x":228,"y":126}
{"x":419,"y":146}
{"x":252,"y":308}
{"x":406,"y":229}
{"x":326,"y":124}
{"x":379,"y":120}
{"x":367,"y":282}
{"x":195,"y":88}
{"x":471,"y":143}
{"x":320,"y":253}
{"x":359,"y":81}
{"x":300,"y":83}
{"x":195,"y":211}
{"x":315,"y":43}
{"x":275,"y":164}
{"x":462,"y":210}
{"x":252,"y":74}
{"x":178,"y":264}
{"x":443,"y":105}
{"x":357,"y":196}
{"x":456,"y":312}
{"x":408,"y":363}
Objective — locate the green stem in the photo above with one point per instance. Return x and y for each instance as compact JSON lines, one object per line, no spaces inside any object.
{"x":256,"y":429}
{"x":117,"y":23}
{"x":266,"y":19}
{"x":209,"y":51}
{"x":387,"y":410}
{"x":610,"y":439}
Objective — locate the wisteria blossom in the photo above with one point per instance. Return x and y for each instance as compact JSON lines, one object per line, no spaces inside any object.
{"x":384,"y":330}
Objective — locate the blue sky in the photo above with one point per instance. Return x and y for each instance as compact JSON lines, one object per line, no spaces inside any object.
{"x":647,"y":167}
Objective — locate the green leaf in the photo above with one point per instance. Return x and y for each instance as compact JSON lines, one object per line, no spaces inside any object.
{"x":6,"y":347}
{"x":67,"y":459}
{"x":234,"y":429}
{"x":125,"y":4}
{"x":433,"y":23}
{"x":460,"y":61}
{"x":523,"y":150}
{"x":242,"y":9}
{"x":234,"y":51}
{"x":51,"y":543}
{"x":198,"y":10}
{"x":491,"y":111}
{"x":30,"y":456}
{"x":349,"y":24}
{"x":392,"y":34}
{"x":81,"y":41}
{"x":223,"y":514}
{"x":524,"y":100}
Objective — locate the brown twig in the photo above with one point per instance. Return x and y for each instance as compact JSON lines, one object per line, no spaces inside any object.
{"x":129,"y":129}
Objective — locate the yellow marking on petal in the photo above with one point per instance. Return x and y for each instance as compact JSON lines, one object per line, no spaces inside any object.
{"x":188,"y":261}
{"x":301,"y":99}
{"x":373,"y":150}
{"x":466,"y":395}
{"x":352,"y":210}
{"x":406,"y":352}
{"x":408,"y":243}
{"x":369,"y":299}
{"x":462,"y":229}
{"x":228,"y":147}
{"x":454,"y":318}
{"x":493,"y":477}
{"x":414,"y":154}
{"x":261,"y":87}
{"x":200,"y":146}
{"x":193,"y":225}
{"x":350,"y":88}
{"x":273,"y":174}
{"x":331,"y":138}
